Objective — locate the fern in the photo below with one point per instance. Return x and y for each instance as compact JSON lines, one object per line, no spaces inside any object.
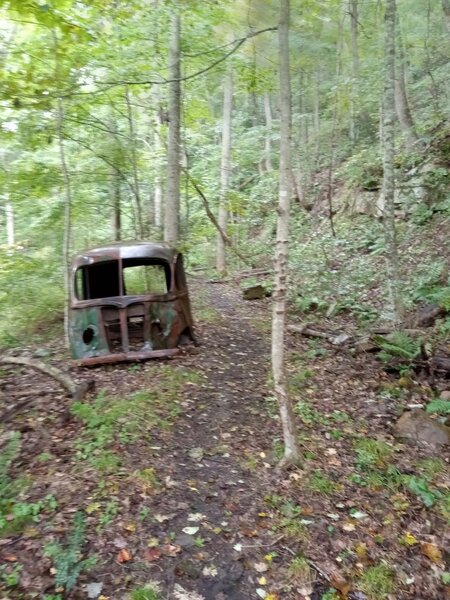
{"x":67,"y":557}
{"x":399,"y":345}
{"x":7,"y":456}
{"x":439,"y":406}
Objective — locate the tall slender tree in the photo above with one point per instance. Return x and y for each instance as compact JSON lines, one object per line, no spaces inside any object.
{"x":225,"y":170}
{"x":172,"y":204}
{"x":291,"y":448}
{"x":388,"y":150}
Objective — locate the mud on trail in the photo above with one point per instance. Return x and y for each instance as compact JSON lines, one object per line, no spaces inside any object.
{"x":171,"y":465}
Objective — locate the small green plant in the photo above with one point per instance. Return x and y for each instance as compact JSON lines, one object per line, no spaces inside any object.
{"x":419,"y":486}
{"x":10,"y":575}
{"x":439,"y":406}
{"x":199,"y":542}
{"x":430,"y":467}
{"x":320,"y":483}
{"x":377,"y":582}
{"x":67,"y":557}
{"x":399,"y":345}
{"x":308,"y":414}
{"x":108,"y":514}
{"x":150,"y":591}
{"x":330,"y":595}
{"x":371,"y":452}
{"x":301,"y":573}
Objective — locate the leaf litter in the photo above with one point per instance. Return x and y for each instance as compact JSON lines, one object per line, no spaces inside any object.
{"x":210,"y":463}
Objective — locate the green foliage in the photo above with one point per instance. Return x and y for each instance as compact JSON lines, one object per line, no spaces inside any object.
{"x":10,"y":575}
{"x":399,"y":345}
{"x":430,"y":287}
{"x":67,"y":557}
{"x":439,"y":406}
{"x":371,"y":452}
{"x":319,"y":483}
{"x":377,"y":582}
{"x":420,"y":487}
{"x":150,"y":591}
{"x":112,"y":421}
{"x":15,"y":512}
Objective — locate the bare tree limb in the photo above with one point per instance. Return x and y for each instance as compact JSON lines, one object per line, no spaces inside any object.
{"x":214,"y":221}
{"x":77,"y":391}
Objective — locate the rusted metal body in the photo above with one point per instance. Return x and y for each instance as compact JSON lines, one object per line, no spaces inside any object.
{"x":109,"y":322}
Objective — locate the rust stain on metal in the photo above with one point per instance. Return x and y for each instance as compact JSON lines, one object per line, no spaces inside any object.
{"x":129,"y":302}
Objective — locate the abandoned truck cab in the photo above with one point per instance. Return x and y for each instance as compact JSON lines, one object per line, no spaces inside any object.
{"x":129,"y":302}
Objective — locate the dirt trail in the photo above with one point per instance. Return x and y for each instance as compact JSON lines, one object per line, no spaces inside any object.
{"x":208,"y":452}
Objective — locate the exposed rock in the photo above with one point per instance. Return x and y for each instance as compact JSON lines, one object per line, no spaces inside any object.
{"x":255,"y":292}
{"x":416,"y":425}
{"x":445,"y":395}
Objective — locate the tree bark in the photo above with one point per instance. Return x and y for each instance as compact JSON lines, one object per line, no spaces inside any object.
{"x":401,"y":99}
{"x":158,"y":149}
{"x":134,"y":167}
{"x":353,"y":10}
{"x":116,"y":220}
{"x":225,"y":171}
{"x":291,"y":448}
{"x":9,"y":213}
{"x":268,"y":144}
{"x":388,"y":141}
{"x":446,"y":9}
{"x":172,"y":204}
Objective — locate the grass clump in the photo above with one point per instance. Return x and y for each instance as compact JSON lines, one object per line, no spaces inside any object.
{"x":377,"y":582}
{"x":319,"y":483}
{"x":372,"y":453}
{"x":150,"y":591}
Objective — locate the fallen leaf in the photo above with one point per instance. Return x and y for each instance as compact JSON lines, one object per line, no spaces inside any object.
{"x":93,"y":589}
{"x":123,"y":556}
{"x":209,"y":571}
{"x":340,"y":584}
{"x":190,"y":530}
{"x":9,"y":557}
{"x":130,"y":527}
{"x":93,"y":507}
{"x":153,"y":542}
{"x":408,"y":539}
{"x":261,"y":593}
{"x":163,"y":518}
{"x":260,"y":567}
{"x":237,"y":547}
{"x":152,"y":554}
{"x":262,"y":580}
{"x":196,"y":517}
{"x":432,"y":552}
{"x":170,"y":550}
{"x":348,"y":527}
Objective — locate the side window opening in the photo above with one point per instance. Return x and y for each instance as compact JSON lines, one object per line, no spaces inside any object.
{"x":146,"y":279}
{"x":139,"y":276}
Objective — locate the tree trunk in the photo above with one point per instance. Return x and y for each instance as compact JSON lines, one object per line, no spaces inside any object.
{"x":9,"y":213}
{"x":401,"y":99}
{"x":291,"y":448}
{"x":172,"y":205}
{"x":225,"y":170}
{"x":134,"y":167}
{"x":388,"y":131}
{"x":446,"y":9}
{"x":116,"y":220}
{"x":268,"y":144}
{"x":157,"y":153}
{"x":353,"y":9}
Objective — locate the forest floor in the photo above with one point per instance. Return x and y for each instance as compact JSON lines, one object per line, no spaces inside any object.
{"x":166,"y":475}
